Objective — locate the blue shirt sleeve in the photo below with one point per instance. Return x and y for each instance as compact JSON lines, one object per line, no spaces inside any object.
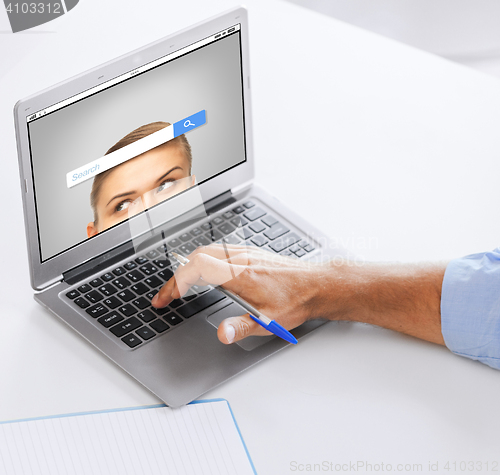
{"x":470,"y":307}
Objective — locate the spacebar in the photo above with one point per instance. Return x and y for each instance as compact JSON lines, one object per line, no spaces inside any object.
{"x":201,"y":303}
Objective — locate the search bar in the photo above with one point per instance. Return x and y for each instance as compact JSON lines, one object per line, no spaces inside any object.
{"x":189,"y":123}
{"x":113,"y":159}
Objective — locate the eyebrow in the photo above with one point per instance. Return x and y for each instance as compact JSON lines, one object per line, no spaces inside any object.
{"x":128,"y":193}
{"x":170,"y":171}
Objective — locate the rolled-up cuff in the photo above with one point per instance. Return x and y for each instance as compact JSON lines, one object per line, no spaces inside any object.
{"x":470,"y":307}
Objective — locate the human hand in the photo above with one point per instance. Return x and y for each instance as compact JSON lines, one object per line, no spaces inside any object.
{"x":282,"y":288}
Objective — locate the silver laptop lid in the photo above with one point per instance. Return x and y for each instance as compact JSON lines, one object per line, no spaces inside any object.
{"x":196,"y":81}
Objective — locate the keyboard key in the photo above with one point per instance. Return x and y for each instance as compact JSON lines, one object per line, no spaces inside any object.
{"x":172,"y":318}
{"x":108,"y":289}
{"x":148,"y":268}
{"x":141,"y":260}
{"x":96,"y":282}
{"x":146,"y":316}
{"x":206,"y":226}
{"x":232,"y":239}
{"x":300,"y":253}
{"x":257,"y":227}
{"x":119,"y":271}
{"x":159,"y":325}
{"x":166,"y":274}
{"x":161,"y":263}
{"x":283,"y":243}
{"x":163,"y":249}
{"x":227,"y":228}
{"x":140,"y":288}
{"x":187,"y":248}
{"x":73,"y":294}
{"x":238,"y":209}
{"x":132,"y":340}
{"x":145,"y":333}
{"x":94,"y":296}
{"x":84,"y":288}
{"x":121,"y":283}
{"x":214,"y":235}
{"x":130,"y":265}
{"x":110,"y":319}
{"x":126,"y":326}
{"x":254,"y":214}
{"x":269,"y":220}
{"x":153,"y":281}
{"x":185,"y":237}
{"x":153,"y":254}
{"x":201,"y":241}
{"x":81,"y":302}
{"x":200,"y":289}
{"x":175,"y":303}
{"x":227,"y":215}
{"x":151,"y":294}
{"x":97,"y":310}
{"x":160,"y":311}
{"x":249,"y":204}
{"x":135,"y":276}
{"x":275,"y":231}
{"x":309,"y":248}
{"x":202,"y":302}
{"x":239,"y":222}
{"x":295,"y":248}
{"x":107,"y":277}
{"x":189,"y":297}
{"x":217,"y":220}
{"x":245,"y":233}
{"x":286,"y":253}
{"x":141,"y":303}
{"x":196,"y":232}
{"x":174,"y":243}
{"x":259,"y":240}
{"x":127,"y":310}
{"x":126,"y":295}
{"x":112,"y":302}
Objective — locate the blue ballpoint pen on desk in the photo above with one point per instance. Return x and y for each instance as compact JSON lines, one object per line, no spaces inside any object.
{"x":265,"y":322}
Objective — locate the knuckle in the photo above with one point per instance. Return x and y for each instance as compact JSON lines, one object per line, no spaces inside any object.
{"x":243,"y":328}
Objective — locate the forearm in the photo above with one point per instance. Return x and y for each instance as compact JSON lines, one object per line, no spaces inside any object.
{"x":404,"y":298}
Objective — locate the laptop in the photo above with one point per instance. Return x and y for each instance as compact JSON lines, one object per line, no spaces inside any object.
{"x":171,"y":122}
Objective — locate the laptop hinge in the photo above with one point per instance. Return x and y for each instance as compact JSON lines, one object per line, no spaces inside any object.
{"x":119,"y":253}
{"x":104,"y":260}
{"x":219,"y":202}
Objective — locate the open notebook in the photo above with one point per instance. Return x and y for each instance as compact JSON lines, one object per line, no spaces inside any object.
{"x":200,"y":438}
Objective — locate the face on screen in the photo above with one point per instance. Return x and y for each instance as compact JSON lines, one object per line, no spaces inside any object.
{"x":140,"y":183}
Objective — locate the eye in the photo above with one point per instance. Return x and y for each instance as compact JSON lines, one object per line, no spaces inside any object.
{"x":123,"y":205}
{"x":165,"y":185}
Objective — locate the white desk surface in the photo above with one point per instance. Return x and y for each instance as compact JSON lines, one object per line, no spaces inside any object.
{"x":382,"y":146}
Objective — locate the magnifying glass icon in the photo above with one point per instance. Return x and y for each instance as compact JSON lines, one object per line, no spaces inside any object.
{"x":188,"y":123}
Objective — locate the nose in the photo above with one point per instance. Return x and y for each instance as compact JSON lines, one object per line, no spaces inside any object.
{"x":148,"y":200}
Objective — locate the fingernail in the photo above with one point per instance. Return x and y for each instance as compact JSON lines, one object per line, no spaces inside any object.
{"x":230,"y":333}
{"x":155,"y":300}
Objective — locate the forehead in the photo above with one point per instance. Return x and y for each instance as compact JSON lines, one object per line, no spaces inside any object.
{"x":144,"y":170}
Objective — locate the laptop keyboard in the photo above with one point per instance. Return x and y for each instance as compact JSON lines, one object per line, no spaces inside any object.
{"x":120,"y":299}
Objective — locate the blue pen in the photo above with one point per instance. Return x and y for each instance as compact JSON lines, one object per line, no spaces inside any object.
{"x":265,"y":322}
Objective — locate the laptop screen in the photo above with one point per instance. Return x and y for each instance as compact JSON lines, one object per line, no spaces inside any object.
{"x":158,"y":129}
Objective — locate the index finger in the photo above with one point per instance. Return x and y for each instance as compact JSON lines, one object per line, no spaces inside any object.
{"x":203,"y":269}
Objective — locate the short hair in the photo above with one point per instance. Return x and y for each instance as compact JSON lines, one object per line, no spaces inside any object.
{"x":132,"y":137}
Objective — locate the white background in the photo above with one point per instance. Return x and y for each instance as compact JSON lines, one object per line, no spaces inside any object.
{"x":398,"y":152}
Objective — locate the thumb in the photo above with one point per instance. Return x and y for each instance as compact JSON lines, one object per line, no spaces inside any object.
{"x":236,"y":328}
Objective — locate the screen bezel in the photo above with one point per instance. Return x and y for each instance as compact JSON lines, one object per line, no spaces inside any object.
{"x":51,"y":270}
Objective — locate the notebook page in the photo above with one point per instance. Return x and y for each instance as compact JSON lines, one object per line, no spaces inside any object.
{"x":196,"y":439}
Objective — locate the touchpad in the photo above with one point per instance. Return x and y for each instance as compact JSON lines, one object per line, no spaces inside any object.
{"x":234,"y":310}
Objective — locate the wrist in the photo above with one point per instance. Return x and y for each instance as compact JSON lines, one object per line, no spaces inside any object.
{"x":332,"y":290}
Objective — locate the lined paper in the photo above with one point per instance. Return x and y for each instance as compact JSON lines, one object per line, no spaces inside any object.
{"x":196,"y":439}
